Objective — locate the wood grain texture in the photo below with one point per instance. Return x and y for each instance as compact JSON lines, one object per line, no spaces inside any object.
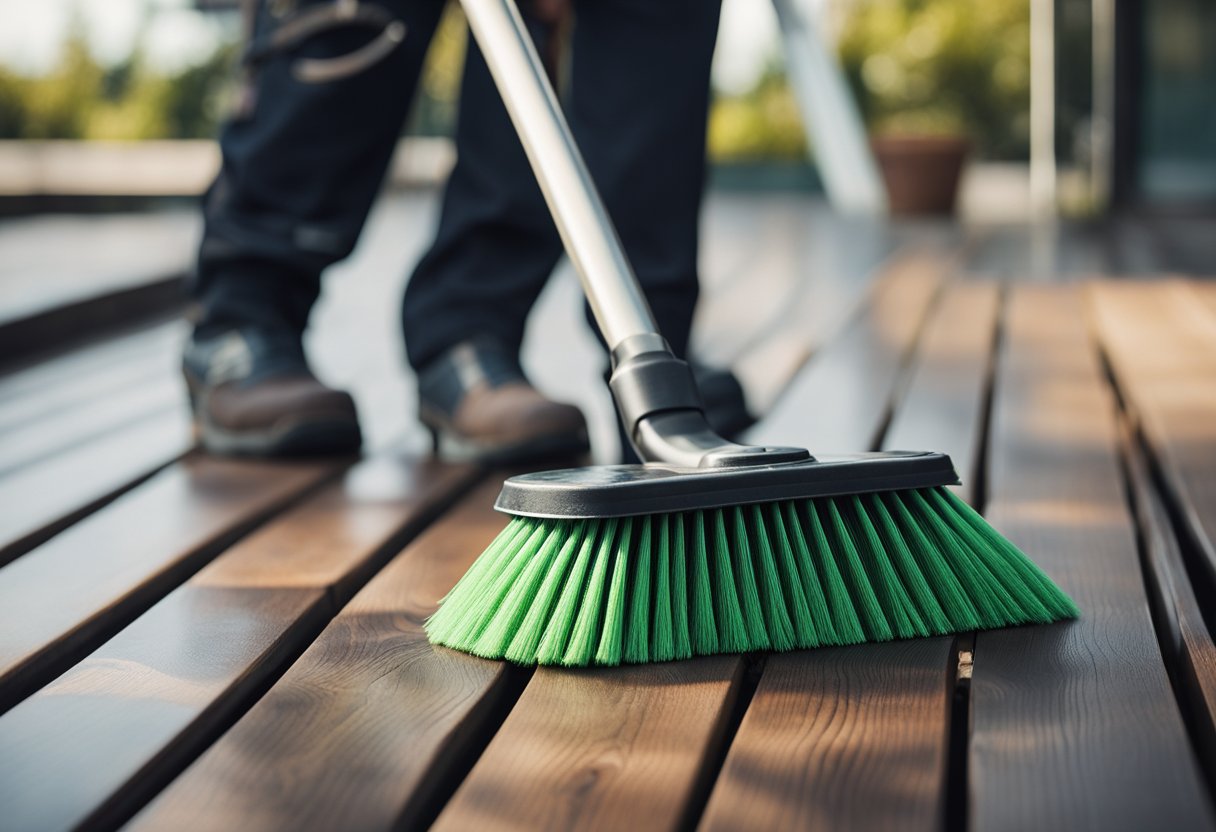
{"x":840,"y":738}
{"x":1161,"y":344}
{"x":36,"y":399}
{"x":365,"y":724}
{"x":605,"y":748}
{"x":88,"y":371}
{"x":1074,"y":725}
{"x":851,"y":380}
{"x":41,"y":500}
{"x":856,"y":737}
{"x":105,"y":736}
{"x":62,"y":599}
{"x":943,"y":406}
{"x":773,"y":365}
{"x":41,"y":438}
{"x":83,"y":748}
{"x":1183,"y":633}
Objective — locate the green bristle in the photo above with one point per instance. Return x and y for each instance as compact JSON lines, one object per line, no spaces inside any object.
{"x":802,"y":625}
{"x":740,"y":554}
{"x":732,"y":632}
{"x":1039,"y":586}
{"x":704,"y":629}
{"x":637,"y":623}
{"x":662,"y":634}
{"x":824,"y":618}
{"x":448,"y":622}
{"x":487,"y":585}
{"x":612,"y":634}
{"x":553,"y":643}
{"x":509,"y":575}
{"x":586,"y":633}
{"x":905,"y":621}
{"x":681,"y":628}
{"x":949,"y":592}
{"x":910,"y":575}
{"x":514,"y":605}
{"x":869,"y":610}
{"x":784,"y":575}
{"x":774,"y":604}
{"x":976,"y":585}
{"x":997,"y":572}
{"x":539,"y":610}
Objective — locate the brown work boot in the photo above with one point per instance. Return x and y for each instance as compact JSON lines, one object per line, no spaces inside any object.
{"x":252,"y":394}
{"x":479,"y":406}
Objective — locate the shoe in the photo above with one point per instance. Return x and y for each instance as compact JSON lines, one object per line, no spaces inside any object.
{"x":479,"y":406}
{"x":252,"y":393}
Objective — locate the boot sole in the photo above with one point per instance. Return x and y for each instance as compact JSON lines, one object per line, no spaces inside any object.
{"x":454,"y":448}
{"x":314,"y":437}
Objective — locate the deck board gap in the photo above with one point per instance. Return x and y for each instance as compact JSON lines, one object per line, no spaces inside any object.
{"x":1173,"y":608}
{"x":51,"y":661}
{"x":464,"y":749}
{"x":907,"y":363}
{"x":958,"y":734}
{"x":225,"y":711}
{"x":739,"y":696}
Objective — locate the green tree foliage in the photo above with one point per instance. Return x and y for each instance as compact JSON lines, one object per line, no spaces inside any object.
{"x":439,"y":87}
{"x":80,"y":99}
{"x":761,"y":125}
{"x":59,"y":105}
{"x":932,"y":66}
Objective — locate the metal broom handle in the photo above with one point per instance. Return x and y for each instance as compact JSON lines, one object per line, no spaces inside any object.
{"x":590,"y":239}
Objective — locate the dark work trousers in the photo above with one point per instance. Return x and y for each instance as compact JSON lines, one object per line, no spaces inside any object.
{"x":300,"y":172}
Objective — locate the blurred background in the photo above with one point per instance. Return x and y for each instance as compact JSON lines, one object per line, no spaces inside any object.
{"x":1126,"y":93}
{"x":1083,"y":133}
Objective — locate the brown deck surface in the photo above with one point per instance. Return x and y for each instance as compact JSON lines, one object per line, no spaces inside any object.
{"x":191,"y":643}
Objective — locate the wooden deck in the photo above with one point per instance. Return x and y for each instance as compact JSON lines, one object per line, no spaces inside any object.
{"x":195,"y":643}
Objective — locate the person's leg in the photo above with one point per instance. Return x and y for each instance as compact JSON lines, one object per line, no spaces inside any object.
{"x":467,"y":301}
{"x":302,"y":163}
{"x":301,"y":167}
{"x":638,"y":108}
{"x":496,"y":244}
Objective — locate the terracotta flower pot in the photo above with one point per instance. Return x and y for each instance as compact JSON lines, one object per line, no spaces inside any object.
{"x":921,"y":172}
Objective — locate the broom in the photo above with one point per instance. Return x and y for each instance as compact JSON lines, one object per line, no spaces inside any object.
{"x":709,"y":547}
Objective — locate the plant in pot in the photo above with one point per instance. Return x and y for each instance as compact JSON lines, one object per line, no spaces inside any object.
{"x":936,"y":79}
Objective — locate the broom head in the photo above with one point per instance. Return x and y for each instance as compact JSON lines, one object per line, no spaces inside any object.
{"x":645,"y":563}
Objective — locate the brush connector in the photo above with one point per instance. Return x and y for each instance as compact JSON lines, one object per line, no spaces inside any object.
{"x":661,"y":408}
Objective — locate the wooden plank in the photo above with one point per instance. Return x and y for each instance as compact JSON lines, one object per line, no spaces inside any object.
{"x":146,"y":346}
{"x":801,"y":269}
{"x":31,"y":402}
{"x":61,"y":600}
{"x":44,"y":499}
{"x":1074,"y":725}
{"x":370,"y":721}
{"x":840,"y":738}
{"x":1161,"y":344}
{"x":75,"y":322}
{"x":1185,"y":637}
{"x":96,"y":743}
{"x":851,"y":381}
{"x":42,"y":438}
{"x":948,"y":386}
{"x":605,"y":748}
{"x":769,"y":367}
{"x":856,"y":737}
